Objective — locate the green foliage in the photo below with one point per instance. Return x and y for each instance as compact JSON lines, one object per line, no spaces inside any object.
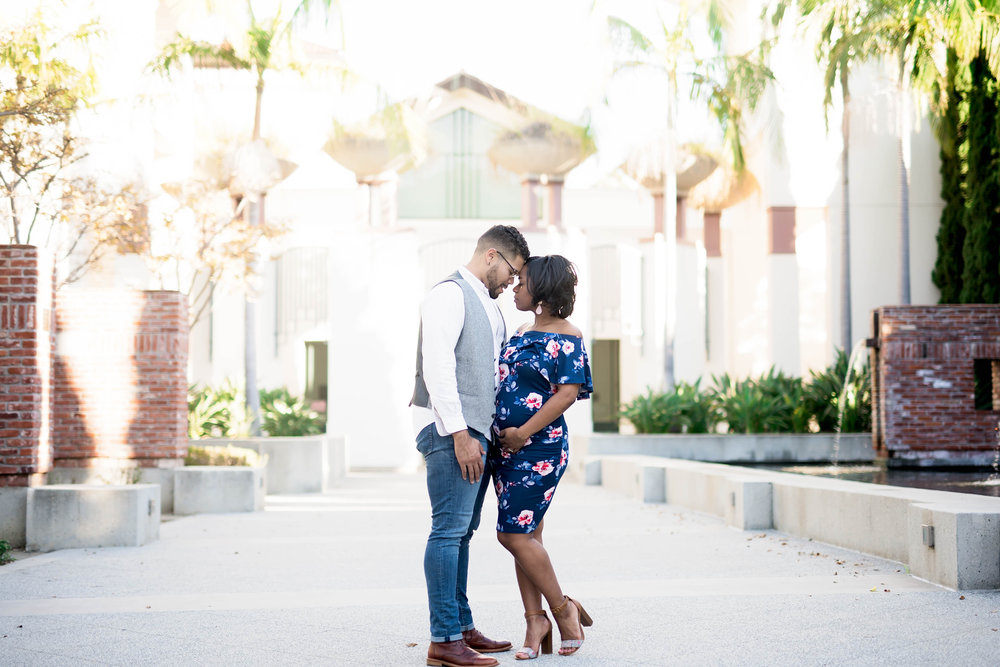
{"x":656,"y":412}
{"x":217,"y":412}
{"x":284,"y":414}
{"x":5,"y":550}
{"x":698,"y":407}
{"x":222,"y":456}
{"x":951,"y":131}
{"x":770,"y":403}
{"x":981,"y":251}
{"x":222,"y":413}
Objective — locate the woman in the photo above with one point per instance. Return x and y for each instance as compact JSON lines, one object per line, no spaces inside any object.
{"x":543,"y":370}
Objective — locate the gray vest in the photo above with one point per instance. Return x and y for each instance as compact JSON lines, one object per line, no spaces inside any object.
{"x":474,"y":365}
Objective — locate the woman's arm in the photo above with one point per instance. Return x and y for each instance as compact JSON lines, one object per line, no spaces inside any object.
{"x":514,"y":438}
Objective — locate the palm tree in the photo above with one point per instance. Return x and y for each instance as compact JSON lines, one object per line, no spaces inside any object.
{"x":842,"y":42}
{"x":911,"y":33}
{"x":259,"y":54}
{"x":728,"y":85}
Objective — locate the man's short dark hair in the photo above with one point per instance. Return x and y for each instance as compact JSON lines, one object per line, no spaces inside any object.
{"x":552,"y":281}
{"x":505,"y":238}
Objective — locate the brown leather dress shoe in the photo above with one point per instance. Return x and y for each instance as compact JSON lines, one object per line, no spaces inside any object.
{"x":457,"y":654}
{"x":477,"y":641}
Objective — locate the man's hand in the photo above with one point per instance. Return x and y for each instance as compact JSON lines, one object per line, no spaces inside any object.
{"x":469,"y":452}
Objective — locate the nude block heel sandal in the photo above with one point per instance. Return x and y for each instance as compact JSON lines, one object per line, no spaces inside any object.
{"x":528,"y":653}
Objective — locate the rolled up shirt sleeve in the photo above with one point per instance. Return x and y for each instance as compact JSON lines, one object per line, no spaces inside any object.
{"x":442,"y":316}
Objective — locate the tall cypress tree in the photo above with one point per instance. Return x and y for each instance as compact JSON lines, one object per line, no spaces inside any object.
{"x":981,"y":250}
{"x":951,"y":131}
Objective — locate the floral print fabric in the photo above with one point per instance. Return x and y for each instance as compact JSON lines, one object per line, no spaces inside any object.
{"x":532,"y":364}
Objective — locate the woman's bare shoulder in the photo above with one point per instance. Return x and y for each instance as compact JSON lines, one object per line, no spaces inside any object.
{"x":570,"y":329}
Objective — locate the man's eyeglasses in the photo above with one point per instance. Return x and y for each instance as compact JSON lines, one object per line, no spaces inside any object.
{"x":513,"y":271}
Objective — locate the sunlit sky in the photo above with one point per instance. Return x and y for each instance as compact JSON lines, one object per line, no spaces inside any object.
{"x":552,"y":54}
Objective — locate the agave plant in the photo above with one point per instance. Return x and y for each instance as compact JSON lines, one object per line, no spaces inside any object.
{"x":288,"y":415}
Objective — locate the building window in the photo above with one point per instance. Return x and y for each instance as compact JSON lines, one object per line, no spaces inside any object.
{"x":457,"y":180}
{"x":301,"y":293}
{"x":987,"y":383}
{"x":316,"y":384}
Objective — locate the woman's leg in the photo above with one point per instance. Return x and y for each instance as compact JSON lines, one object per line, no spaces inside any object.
{"x":531,"y":598}
{"x":532,"y":561}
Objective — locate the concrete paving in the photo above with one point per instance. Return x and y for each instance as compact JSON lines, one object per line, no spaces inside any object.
{"x":337,"y":579}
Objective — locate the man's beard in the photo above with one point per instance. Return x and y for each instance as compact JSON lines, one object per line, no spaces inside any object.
{"x":494,"y":288}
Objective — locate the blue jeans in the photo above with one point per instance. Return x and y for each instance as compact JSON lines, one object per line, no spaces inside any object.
{"x":455,"y":509}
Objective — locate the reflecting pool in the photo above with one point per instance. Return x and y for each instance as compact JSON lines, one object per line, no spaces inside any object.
{"x":982,"y":482}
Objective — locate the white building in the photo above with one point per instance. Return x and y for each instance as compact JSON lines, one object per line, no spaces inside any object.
{"x":740,"y":289}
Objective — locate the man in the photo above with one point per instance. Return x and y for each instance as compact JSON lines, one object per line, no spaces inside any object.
{"x":458,"y":350}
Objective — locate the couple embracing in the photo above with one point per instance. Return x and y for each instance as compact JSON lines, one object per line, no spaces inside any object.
{"x":488,"y":409}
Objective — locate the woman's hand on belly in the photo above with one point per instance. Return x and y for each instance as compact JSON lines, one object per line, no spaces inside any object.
{"x":513,"y":439}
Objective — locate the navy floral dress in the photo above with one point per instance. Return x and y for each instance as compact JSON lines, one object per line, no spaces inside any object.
{"x":531,"y":365}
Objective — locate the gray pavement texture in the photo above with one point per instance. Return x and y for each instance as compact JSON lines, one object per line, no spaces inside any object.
{"x":337,"y":579}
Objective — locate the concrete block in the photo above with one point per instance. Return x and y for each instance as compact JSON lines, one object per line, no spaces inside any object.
{"x":218,"y":489}
{"x":750,"y":503}
{"x":164,"y":478}
{"x":13,"y":514}
{"x":962,"y":548}
{"x":592,"y":471}
{"x":72,"y":516}
{"x":864,"y":517}
{"x":639,"y":477}
{"x":311,"y":464}
{"x":111,"y":472}
{"x":653,"y":483}
{"x":698,"y":486}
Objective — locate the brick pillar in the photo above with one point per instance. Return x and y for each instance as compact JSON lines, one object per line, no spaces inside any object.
{"x":121,"y":378}
{"x":27,"y":286}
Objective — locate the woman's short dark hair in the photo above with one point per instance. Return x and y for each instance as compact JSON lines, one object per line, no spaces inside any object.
{"x":552,"y":281}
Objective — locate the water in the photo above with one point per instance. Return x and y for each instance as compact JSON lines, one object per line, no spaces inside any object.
{"x":859,"y":348}
{"x":979,"y":482}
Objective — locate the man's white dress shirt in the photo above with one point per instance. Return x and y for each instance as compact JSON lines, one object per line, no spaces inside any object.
{"x":442,"y":315}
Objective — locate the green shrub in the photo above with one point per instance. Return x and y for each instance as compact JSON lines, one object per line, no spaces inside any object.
{"x":5,"y":550}
{"x":656,"y":412}
{"x":218,"y":412}
{"x":770,"y":403}
{"x":228,"y":455}
{"x":222,"y":413}
{"x":285,"y":415}
{"x":826,"y":388}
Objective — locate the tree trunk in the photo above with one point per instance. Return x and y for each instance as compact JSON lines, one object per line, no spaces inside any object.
{"x":256,"y":213}
{"x":670,"y":224}
{"x":845,"y":222}
{"x":904,"y":187}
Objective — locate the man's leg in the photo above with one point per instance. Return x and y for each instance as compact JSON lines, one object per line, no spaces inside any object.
{"x":464,"y":611}
{"x":453,"y":501}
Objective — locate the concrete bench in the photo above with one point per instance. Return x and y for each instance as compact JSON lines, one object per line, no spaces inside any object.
{"x":958,"y":546}
{"x":218,"y":489}
{"x":72,"y":516}
{"x":948,"y":538}
{"x":13,"y":511}
{"x":310,"y":464}
{"x":743,"y":500}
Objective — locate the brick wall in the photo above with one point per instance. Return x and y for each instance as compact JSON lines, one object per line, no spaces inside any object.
{"x":924,"y":398}
{"x":120,"y":379}
{"x":26,"y":345}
